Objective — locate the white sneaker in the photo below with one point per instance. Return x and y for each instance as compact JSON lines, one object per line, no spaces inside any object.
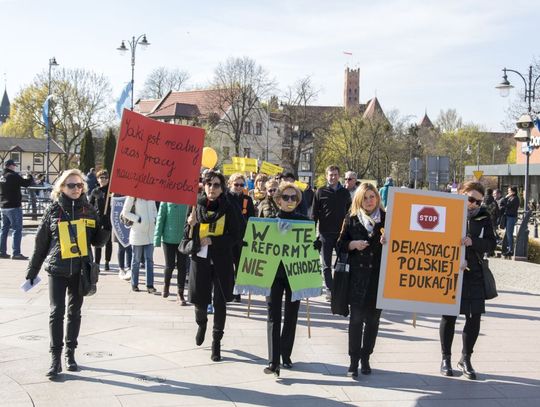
{"x":121,"y":274}
{"x":328,"y":295}
{"x":127,"y":275}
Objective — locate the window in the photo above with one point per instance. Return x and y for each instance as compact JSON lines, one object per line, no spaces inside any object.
{"x":38,"y":159}
{"x":247,"y":127}
{"x":16,"y":156}
{"x":258,"y":129}
{"x":247,"y":152}
{"x":226,"y":152}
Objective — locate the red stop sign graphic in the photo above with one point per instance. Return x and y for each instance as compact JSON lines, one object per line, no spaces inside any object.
{"x":428,"y":217}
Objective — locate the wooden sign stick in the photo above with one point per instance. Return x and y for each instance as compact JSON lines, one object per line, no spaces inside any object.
{"x":308,"y":319}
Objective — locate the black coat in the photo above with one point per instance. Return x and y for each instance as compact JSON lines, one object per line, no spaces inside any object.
{"x":330,"y":207}
{"x":219,"y":261}
{"x":10,"y":188}
{"x":47,"y":244}
{"x":472,"y":294}
{"x":364,"y":265}
{"x":98,"y":199}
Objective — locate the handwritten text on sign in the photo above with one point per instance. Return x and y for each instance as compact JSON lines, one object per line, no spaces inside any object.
{"x":157,"y":161}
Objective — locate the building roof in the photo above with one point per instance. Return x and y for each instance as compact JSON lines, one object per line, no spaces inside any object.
{"x":4,"y":107}
{"x":176,"y":110}
{"x":29,"y":145}
{"x":426,"y":122}
{"x":373,"y":109}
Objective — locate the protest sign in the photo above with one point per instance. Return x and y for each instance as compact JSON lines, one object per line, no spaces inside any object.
{"x":420,"y":265}
{"x":119,"y":229}
{"x":229,"y":169}
{"x":301,"y":185}
{"x":243,"y":164}
{"x":274,"y":241}
{"x":270,"y":169}
{"x":157,"y":161}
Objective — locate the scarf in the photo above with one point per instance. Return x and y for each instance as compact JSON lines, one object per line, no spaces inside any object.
{"x":218,"y":208}
{"x":471,"y":213}
{"x":369,"y":221}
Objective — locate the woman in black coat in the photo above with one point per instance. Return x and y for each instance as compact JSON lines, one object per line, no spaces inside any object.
{"x":210,"y":233}
{"x":360,"y":238}
{"x":68,"y":223}
{"x":98,"y":199}
{"x":480,"y":239}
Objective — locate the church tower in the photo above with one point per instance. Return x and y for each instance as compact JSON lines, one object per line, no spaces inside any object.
{"x":5,"y":107}
{"x":351,"y":91}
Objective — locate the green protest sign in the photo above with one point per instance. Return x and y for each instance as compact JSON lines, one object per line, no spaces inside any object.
{"x":274,"y":241}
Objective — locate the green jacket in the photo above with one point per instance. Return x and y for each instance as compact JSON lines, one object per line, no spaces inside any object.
{"x":170,"y":223}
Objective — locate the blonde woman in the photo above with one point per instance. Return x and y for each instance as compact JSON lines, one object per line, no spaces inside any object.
{"x":258,"y":193}
{"x":68,"y":228}
{"x":361,"y":238}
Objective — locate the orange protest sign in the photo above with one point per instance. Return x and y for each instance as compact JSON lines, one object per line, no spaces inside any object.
{"x":420,"y":265}
{"x":157,"y":161}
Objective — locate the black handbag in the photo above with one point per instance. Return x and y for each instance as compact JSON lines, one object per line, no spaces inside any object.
{"x":490,"y":286}
{"x":89,"y":270}
{"x":340,"y":286}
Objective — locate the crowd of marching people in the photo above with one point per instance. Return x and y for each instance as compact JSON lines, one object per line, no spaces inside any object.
{"x":203,"y":243}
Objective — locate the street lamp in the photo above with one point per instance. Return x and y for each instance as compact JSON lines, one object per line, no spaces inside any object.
{"x":141,"y":40}
{"x":496,"y":147}
{"x":523,"y":134}
{"x":52,"y":62}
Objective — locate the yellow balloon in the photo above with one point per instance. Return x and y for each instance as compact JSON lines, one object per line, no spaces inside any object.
{"x":209,"y":157}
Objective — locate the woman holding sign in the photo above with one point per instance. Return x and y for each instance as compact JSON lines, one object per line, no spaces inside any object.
{"x":360,"y":239}
{"x":213,"y":227}
{"x":280,"y":343}
{"x":480,"y":239}
{"x":68,"y":228}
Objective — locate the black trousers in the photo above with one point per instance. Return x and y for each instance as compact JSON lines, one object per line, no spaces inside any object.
{"x":280,"y":342}
{"x":108,"y":252}
{"x":175,"y":259}
{"x":363,"y":330}
{"x":471,"y":330}
{"x":220,"y":309}
{"x":57,"y":299}
{"x":328,"y":241}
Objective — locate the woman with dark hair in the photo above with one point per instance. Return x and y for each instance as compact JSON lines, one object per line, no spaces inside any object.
{"x":361,"y":240}
{"x":98,"y":199}
{"x":213,"y":227}
{"x":511,"y":207}
{"x":268,"y":207}
{"x":68,"y":228}
{"x":480,"y":239}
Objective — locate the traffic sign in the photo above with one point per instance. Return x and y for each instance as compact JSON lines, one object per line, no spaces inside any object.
{"x":428,"y":218}
{"x":478,"y":174}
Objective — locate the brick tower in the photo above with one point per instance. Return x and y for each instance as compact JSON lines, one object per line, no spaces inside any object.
{"x":351,"y":91}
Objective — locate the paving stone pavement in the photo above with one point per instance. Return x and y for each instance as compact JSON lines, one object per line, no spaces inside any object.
{"x":137,"y":349}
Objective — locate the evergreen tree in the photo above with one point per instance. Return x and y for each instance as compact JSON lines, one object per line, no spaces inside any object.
{"x":108,"y":151}
{"x":88,"y":157}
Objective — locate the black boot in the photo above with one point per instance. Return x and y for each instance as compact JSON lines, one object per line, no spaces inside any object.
{"x":56,"y":365}
{"x":201,"y":331}
{"x":71,"y":364}
{"x":216,"y":345}
{"x":446,"y":366}
{"x":272,"y":369}
{"x":365,"y":368}
{"x":166,"y":286}
{"x":466,"y":367}
{"x":353,"y":368}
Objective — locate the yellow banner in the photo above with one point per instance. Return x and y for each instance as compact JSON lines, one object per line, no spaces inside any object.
{"x":301,"y":185}
{"x":270,"y":169}
{"x":243,"y":164}
{"x":68,"y":240}
{"x":229,"y":169}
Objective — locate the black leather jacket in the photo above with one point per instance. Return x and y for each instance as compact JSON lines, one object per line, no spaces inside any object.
{"x":56,"y":242}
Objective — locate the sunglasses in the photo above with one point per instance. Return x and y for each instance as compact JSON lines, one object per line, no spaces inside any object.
{"x":213,"y":184}
{"x":349,"y":179}
{"x":238,"y":185}
{"x":73,"y":185}
{"x":288,"y":198}
{"x":272,"y":190}
{"x":103,"y":177}
{"x":474,"y":200}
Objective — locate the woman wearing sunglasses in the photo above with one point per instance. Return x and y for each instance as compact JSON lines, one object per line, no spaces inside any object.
{"x":68,"y":228}
{"x":211,"y":231}
{"x":280,"y":342}
{"x":480,"y":239}
{"x":268,"y":207}
{"x":360,"y":238}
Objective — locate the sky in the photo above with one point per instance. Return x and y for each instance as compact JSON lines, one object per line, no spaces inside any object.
{"x":414,"y":55}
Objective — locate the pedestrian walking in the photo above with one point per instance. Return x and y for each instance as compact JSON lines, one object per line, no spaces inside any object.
{"x":361,"y":241}
{"x":143,"y":214}
{"x":11,"y":208}
{"x":212,"y":229}
{"x":68,"y":222}
{"x":479,"y":240}
{"x":91,"y":180}
{"x":98,"y":199}
{"x":330,"y":205}
{"x":511,"y":207}
{"x":389,"y":182}
{"x":168,"y":234}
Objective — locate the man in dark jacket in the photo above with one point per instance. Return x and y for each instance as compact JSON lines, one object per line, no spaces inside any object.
{"x":511,"y":207}
{"x":11,"y":206}
{"x":330,"y":205}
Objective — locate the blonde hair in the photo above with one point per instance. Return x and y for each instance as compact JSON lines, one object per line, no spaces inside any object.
{"x":236,"y":176}
{"x":61,"y":181}
{"x":288,"y":185}
{"x":271,"y":183}
{"x":358,"y":198}
{"x":263,"y":178}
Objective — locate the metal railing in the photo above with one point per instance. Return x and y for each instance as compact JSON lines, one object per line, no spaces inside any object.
{"x":35,"y":200}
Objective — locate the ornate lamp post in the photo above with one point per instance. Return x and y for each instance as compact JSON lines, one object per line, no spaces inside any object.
{"x":52,"y":62}
{"x":141,"y":40}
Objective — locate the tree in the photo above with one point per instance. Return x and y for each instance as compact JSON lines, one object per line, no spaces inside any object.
{"x":448,"y":121}
{"x":108,"y":151}
{"x":162,"y":80}
{"x":80,"y":102}
{"x":239,"y":85}
{"x":87,"y":155}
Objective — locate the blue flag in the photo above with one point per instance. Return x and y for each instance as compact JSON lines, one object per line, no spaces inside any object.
{"x":46,"y":112}
{"x":537,"y":122}
{"x":124,"y":100}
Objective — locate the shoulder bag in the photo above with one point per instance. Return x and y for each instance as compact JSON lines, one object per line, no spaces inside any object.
{"x":340,"y":286}
{"x":490,"y":286}
{"x":89,"y":270}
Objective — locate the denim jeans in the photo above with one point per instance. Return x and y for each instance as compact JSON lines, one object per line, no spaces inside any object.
{"x":11,"y":219}
{"x":508,"y":240}
{"x":124,"y":253}
{"x":138,"y":251}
